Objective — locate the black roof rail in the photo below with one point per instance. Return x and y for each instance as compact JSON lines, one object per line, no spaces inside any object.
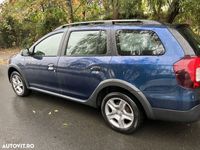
{"x":136,"y":21}
{"x":83,"y":24}
{"x":110,"y":22}
{"x":180,"y":25}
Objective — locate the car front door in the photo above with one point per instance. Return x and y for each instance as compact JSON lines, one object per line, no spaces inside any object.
{"x":84,"y":64}
{"x":42,"y":64}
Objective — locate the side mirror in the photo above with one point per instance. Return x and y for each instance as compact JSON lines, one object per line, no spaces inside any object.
{"x":25,"y":52}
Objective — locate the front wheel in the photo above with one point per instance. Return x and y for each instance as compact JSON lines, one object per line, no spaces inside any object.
{"x":18,"y":84}
{"x":121,"y":112}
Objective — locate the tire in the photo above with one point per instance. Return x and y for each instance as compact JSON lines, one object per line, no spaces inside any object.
{"x":18,"y":84}
{"x":121,"y":112}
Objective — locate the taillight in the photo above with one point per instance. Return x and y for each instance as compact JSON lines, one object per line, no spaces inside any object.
{"x":187,"y":72}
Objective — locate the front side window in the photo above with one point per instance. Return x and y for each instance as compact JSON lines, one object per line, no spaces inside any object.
{"x":82,"y":43}
{"x":49,"y":46}
{"x":137,"y":42}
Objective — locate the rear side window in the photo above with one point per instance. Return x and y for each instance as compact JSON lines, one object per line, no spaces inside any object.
{"x":137,"y":42}
{"x":191,"y":38}
{"x":83,"y":43}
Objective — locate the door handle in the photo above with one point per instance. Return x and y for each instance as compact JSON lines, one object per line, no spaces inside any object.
{"x":51,"y":67}
{"x":95,"y":69}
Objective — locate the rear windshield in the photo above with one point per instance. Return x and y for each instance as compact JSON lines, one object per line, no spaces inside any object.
{"x":191,"y":37}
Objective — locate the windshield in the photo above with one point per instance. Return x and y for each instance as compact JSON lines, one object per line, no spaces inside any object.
{"x":191,"y":37}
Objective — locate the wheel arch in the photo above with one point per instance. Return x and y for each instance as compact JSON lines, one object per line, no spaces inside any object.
{"x":12,"y":68}
{"x":114,"y":85}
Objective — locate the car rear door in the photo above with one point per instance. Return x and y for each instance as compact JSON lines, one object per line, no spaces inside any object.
{"x":85,"y":62}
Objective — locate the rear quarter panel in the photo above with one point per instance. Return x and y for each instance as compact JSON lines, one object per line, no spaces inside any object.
{"x":154,"y":75}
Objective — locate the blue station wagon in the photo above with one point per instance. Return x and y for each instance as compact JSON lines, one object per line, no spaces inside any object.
{"x":130,"y":69}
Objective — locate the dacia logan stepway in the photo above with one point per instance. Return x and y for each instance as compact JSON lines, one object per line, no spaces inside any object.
{"x":130,"y":69}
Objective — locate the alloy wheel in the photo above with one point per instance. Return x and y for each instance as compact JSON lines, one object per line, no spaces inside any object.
{"x":119,"y":113}
{"x":17,"y":84}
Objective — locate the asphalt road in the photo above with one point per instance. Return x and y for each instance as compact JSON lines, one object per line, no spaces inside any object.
{"x":52,"y":123}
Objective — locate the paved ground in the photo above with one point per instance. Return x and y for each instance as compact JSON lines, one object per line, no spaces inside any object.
{"x":5,"y":54}
{"x":71,"y":126}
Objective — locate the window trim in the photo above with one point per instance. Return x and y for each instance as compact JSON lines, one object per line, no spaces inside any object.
{"x":44,"y":38}
{"x":93,"y":55}
{"x":116,"y":47}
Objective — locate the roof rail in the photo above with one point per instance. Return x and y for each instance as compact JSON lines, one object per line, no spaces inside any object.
{"x":110,"y":22}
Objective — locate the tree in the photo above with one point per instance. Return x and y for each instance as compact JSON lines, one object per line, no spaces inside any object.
{"x":173,"y":10}
{"x":70,"y":6}
{"x":24,"y":21}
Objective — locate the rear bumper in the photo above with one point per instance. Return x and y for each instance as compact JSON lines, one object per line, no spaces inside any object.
{"x":181,"y":116}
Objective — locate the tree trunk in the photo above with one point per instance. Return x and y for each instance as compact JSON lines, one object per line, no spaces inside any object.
{"x":106,"y":5}
{"x":71,"y":15}
{"x":173,"y":11}
{"x":115,"y":7}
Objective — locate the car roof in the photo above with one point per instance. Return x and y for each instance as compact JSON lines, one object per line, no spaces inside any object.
{"x":101,"y":23}
{"x":122,"y":22}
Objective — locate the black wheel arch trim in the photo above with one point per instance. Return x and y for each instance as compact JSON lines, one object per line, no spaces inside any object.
{"x":11,"y":66}
{"x":125,"y":85}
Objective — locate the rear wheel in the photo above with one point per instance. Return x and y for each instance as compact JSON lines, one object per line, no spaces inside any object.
{"x":121,"y":112}
{"x":18,"y":84}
